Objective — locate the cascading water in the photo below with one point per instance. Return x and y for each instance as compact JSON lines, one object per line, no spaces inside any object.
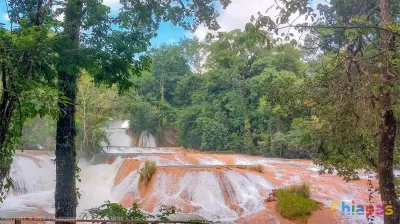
{"x":196,"y":184}
{"x":117,"y":134}
{"x":147,"y":140}
{"x":194,"y":187}
{"x":34,"y":184}
{"x":213,"y":194}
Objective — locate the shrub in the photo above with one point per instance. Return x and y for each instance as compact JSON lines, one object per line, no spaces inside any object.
{"x":294,"y":202}
{"x":256,"y":168}
{"x":302,"y":189}
{"x":116,"y":211}
{"x":148,"y":170}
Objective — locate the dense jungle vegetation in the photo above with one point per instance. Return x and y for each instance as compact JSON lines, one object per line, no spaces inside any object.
{"x":332,"y":95}
{"x":222,"y":96}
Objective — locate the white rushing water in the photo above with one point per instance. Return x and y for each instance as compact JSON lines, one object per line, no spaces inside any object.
{"x":208,"y":194}
{"x":34,"y":181}
{"x":117,"y":132}
{"x":34,"y":178}
{"x":146,"y":139}
{"x":221,"y":194}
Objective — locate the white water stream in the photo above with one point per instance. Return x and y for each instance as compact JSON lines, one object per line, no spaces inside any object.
{"x":208,"y":194}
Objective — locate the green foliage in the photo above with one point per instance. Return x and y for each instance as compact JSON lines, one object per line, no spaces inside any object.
{"x":143,"y":117}
{"x":115,"y":211}
{"x":245,"y":101}
{"x":27,"y":87}
{"x":294,"y":202}
{"x":147,"y":171}
{"x":214,"y":134}
{"x":346,"y":84}
{"x":111,"y":47}
{"x":301,"y":189}
{"x":96,"y":105}
{"x":39,"y":131}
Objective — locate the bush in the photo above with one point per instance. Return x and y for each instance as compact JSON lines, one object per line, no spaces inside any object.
{"x":302,"y":189}
{"x":144,"y":116}
{"x":294,"y":202}
{"x":214,"y":134}
{"x":256,"y":168}
{"x":148,"y":170}
{"x":116,"y":211}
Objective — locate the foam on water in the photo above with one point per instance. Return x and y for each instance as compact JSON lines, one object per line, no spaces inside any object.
{"x":246,"y":194}
{"x":36,"y":177}
{"x":33,"y":174}
{"x":130,"y":185}
{"x":29,"y":202}
{"x":96,"y":185}
{"x":212,"y":194}
{"x":207,"y":194}
{"x":217,"y":194}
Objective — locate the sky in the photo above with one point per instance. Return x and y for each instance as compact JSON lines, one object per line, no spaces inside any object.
{"x":235,"y":16}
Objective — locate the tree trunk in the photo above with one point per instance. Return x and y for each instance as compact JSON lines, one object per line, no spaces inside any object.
{"x":6,"y":111}
{"x":388,"y":120}
{"x":65,"y":195}
{"x":7,"y":108}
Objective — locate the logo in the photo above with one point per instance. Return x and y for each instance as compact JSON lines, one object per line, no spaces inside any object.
{"x":359,"y":209}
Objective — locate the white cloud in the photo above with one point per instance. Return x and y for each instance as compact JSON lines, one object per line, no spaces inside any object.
{"x":5,"y":17}
{"x":238,"y":14}
{"x":114,"y":5}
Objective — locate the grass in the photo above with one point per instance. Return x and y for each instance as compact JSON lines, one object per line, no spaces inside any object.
{"x":255,"y":168}
{"x":294,"y":202}
{"x":147,"y":171}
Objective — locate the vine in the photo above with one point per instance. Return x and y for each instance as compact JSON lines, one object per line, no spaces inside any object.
{"x":77,"y":170}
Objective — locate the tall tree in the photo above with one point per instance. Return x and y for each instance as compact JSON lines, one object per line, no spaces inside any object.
{"x":138,"y":22}
{"x":106,"y":46}
{"x":169,"y":65}
{"x":386,"y":101}
{"x":26,"y":65}
{"x":360,"y":37}
{"x":96,"y":105}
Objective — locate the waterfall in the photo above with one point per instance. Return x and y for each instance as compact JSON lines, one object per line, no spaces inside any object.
{"x":34,"y":183}
{"x":213,"y":194}
{"x":32,"y":174}
{"x":203,"y":186}
{"x":147,"y":140}
{"x":117,"y":133}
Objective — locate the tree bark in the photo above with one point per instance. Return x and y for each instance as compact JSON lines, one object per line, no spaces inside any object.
{"x":65,"y":194}
{"x":7,"y":108}
{"x":388,"y":120}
